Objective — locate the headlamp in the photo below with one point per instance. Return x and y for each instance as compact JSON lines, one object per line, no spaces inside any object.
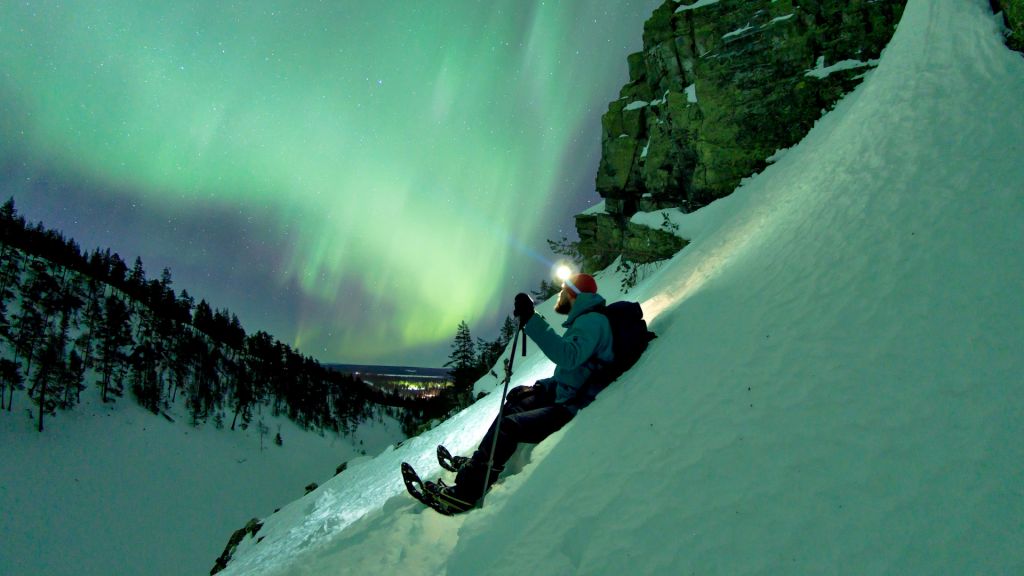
{"x":563,"y":272}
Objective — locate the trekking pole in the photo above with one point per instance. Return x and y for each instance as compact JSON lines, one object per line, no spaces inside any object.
{"x":501,"y":409}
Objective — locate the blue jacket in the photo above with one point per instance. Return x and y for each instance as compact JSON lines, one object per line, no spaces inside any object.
{"x":586,"y":342}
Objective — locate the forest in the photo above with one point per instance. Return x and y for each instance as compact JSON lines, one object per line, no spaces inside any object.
{"x":71,"y":319}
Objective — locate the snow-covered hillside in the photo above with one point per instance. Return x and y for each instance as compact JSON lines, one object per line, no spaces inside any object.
{"x":837,"y":386}
{"x":113,"y":489}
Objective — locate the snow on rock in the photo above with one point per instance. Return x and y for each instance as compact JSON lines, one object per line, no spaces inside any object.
{"x":738,"y":32}
{"x":598,"y":208}
{"x":691,"y":93}
{"x":695,"y":5}
{"x":685,"y":225}
{"x":836,"y":383}
{"x":822,"y":71}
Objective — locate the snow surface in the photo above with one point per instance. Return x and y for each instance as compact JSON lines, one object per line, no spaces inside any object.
{"x":836,"y":386}
{"x":113,"y":489}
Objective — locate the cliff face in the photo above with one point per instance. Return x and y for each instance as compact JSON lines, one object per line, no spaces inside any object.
{"x":1013,"y":12}
{"x":719,"y":87}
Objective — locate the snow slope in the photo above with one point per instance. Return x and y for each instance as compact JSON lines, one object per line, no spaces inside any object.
{"x":837,"y":386}
{"x":113,"y":489}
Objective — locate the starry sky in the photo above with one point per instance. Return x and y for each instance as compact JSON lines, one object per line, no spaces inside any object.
{"x":355,"y":178}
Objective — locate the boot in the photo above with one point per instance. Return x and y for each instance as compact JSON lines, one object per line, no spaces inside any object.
{"x":448,"y":496}
{"x":469,"y":483}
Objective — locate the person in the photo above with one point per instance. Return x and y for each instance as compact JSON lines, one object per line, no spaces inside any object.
{"x":532,"y":413}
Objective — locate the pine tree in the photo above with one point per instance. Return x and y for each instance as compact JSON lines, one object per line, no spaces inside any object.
{"x":71,"y":380}
{"x":546,"y":290}
{"x":508,"y":330}
{"x":8,"y":213}
{"x":115,"y":336}
{"x":145,"y":385}
{"x":11,"y":262}
{"x":489,"y":352}
{"x":93,"y":320}
{"x":464,"y":366}
{"x":29,"y":324}
{"x":243,"y":395}
{"x":570,"y":250}
{"x":50,"y":366}
{"x":10,"y":378}
{"x":203,"y":318}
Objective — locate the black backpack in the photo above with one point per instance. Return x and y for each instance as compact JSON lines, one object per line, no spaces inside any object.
{"x":630,"y":337}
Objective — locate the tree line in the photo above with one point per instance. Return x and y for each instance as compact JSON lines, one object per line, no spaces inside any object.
{"x":71,"y":319}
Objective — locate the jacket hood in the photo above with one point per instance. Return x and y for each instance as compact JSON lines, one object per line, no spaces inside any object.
{"x":585,"y":302}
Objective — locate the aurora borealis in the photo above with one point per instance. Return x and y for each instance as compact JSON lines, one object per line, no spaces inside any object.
{"x":353,"y":177}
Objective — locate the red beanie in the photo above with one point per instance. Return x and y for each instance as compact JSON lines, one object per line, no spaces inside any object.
{"x":582,"y":283}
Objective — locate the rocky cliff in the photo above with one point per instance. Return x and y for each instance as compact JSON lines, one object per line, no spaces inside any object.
{"x":1013,"y":12}
{"x":719,"y":87}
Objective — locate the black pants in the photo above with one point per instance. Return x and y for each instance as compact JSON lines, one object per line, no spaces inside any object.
{"x":530,"y":417}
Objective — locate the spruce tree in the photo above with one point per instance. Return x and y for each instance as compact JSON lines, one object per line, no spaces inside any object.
{"x":71,"y":380}
{"x":29,"y":324}
{"x":115,"y":336}
{"x":50,"y":365}
{"x":11,"y":379}
{"x":508,"y":330}
{"x":463,"y":363}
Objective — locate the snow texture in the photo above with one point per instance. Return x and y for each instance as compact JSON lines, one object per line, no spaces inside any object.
{"x":113,"y":489}
{"x":836,"y":386}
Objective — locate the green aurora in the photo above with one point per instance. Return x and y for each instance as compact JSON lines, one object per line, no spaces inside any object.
{"x":404,"y":158}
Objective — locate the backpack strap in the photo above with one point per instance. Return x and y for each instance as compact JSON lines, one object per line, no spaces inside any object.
{"x":604,"y":373}
{"x":595,"y":364}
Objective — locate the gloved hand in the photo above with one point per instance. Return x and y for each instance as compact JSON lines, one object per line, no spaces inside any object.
{"x":523,"y":308}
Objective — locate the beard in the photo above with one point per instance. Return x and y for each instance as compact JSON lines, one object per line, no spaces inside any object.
{"x":564,"y":305}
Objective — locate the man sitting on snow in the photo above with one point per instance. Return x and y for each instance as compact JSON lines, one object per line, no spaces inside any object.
{"x":532,"y":413}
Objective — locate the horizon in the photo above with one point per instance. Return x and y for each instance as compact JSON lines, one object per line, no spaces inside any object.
{"x":314,"y":169}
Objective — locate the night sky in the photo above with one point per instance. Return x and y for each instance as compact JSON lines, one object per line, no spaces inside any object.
{"x":353,"y":177}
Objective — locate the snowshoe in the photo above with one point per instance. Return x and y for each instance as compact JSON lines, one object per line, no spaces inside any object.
{"x":438,"y":497}
{"x":449,"y":462}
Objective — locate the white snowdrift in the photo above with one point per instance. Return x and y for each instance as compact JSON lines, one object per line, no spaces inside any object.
{"x":836,"y":386}
{"x":111,"y":489}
